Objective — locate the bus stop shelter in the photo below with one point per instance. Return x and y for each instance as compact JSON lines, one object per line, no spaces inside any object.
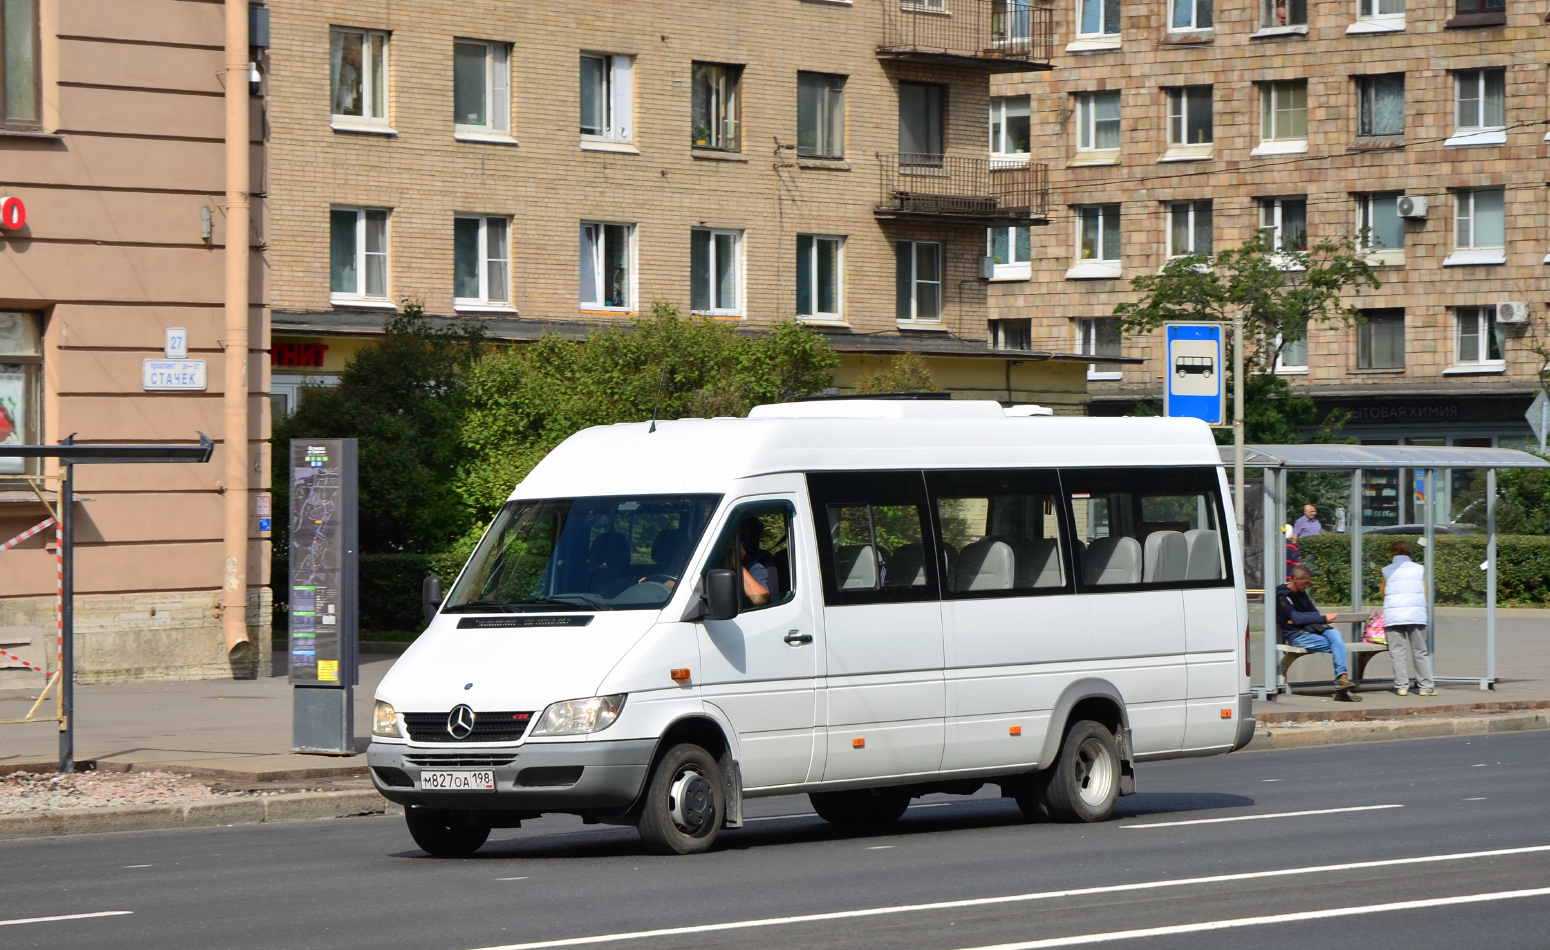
{"x":1426,"y":461}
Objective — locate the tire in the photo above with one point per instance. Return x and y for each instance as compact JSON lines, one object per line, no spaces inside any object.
{"x":685,"y":802}
{"x":864,"y":806}
{"x":440,"y":834}
{"x":1030,"y":797}
{"x":1084,"y":782}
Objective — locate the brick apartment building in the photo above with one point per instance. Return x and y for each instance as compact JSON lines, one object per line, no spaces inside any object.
{"x":1172,"y":126}
{"x":556,"y":167}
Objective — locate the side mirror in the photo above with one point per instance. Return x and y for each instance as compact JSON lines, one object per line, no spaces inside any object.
{"x":430,"y":597}
{"x":721,"y":594}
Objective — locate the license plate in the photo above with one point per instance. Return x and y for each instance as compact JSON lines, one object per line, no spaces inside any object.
{"x":459,"y":780}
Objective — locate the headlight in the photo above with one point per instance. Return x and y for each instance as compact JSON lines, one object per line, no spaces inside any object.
{"x":384,"y":721}
{"x":576,"y":717}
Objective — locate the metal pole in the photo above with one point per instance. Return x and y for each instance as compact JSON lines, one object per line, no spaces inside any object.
{"x":67,"y":616}
{"x":1353,"y":524}
{"x":1431,"y":567}
{"x":1237,"y":428}
{"x":1490,"y":578}
{"x":234,"y":592}
{"x":1270,"y":578}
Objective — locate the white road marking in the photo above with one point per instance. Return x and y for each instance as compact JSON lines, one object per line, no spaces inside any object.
{"x":129,"y":866}
{"x":1086,"y":939}
{"x":44,"y":920}
{"x":881,"y":847}
{"x":1270,"y":780}
{"x":1283,"y":814}
{"x":1011,"y":899}
{"x":1474,"y":799}
{"x":511,"y":878}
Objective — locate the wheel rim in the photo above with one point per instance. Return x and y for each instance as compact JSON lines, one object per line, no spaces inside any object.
{"x":1094,"y":771}
{"x":692,"y":803}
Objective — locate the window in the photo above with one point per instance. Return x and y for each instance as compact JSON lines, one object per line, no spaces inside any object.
{"x":717,"y":107}
{"x":1011,"y":252}
{"x":1009,"y":126}
{"x":481,"y":87}
{"x":1293,"y":353}
{"x":358,"y":252}
{"x":1011,"y":334}
{"x":1480,"y":339}
{"x":1000,"y":533}
{"x":1098,"y":233}
{"x":21,"y":376}
{"x":757,"y":539}
{"x":1099,"y":336}
{"x":1189,"y":228}
{"x":713,"y":271}
{"x":1190,"y":15}
{"x":1379,"y":216}
{"x":1478,"y":13}
{"x":1098,"y":17}
{"x":357,"y":61}
{"x":1097,"y":121}
{"x":820,"y":116}
{"x":1283,"y":112}
{"x":606,"y":266}
{"x":1147,"y":527}
{"x":1382,"y":109}
{"x":19,"y":65}
{"x":1479,"y":107}
{"x":1189,"y":116}
{"x":1379,"y":15}
{"x":920,"y":122}
{"x":1480,"y":227}
{"x":1274,"y":14}
{"x":818,"y":276}
{"x":481,"y":261}
{"x":919,"y":281}
{"x":1284,"y":223}
{"x":1380,"y":339}
{"x":607,"y":97}
{"x":878,"y":546}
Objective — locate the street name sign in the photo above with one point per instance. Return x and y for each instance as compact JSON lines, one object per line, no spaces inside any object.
{"x":1194,"y":385}
{"x":174,"y":376}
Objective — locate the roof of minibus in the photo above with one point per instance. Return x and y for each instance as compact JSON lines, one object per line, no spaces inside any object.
{"x":707,"y":455}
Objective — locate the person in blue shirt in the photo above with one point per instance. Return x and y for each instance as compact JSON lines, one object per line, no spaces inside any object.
{"x":1308,"y":523}
{"x":1302,"y":625}
{"x":760,"y":583}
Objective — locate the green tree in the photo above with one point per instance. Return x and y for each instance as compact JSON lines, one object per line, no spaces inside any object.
{"x":1522,"y":499}
{"x":403,"y":399}
{"x":906,"y":373}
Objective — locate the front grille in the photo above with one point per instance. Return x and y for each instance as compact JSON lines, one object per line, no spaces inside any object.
{"x":439,"y":760}
{"x":488,"y":727}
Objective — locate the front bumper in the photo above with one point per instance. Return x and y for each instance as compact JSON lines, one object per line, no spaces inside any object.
{"x":539,"y":777}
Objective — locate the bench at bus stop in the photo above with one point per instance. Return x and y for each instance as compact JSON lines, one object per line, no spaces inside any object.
{"x":1359,"y":652}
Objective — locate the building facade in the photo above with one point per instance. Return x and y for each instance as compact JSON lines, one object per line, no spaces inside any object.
{"x":558,"y":167}
{"x":112,"y":146}
{"x":1179,"y":126}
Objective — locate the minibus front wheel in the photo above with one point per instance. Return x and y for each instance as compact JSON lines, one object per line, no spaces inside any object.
{"x":685,"y":802}
{"x":444,"y":834}
{"x":1083,"y":784}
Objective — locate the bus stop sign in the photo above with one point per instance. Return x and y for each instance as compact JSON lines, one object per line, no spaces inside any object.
{"x":1195,"y":386}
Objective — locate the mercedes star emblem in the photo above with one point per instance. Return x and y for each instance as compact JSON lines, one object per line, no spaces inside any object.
{"x":460,"y":722}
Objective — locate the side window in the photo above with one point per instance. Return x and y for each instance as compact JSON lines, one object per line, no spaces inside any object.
{"x":1000,"y":533}
{"x":1151,"y":528}
{"x":874,"y":546}
{"x":757,"y":543}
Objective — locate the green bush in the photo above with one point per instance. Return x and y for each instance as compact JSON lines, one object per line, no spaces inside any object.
{"x":1522,"y":568}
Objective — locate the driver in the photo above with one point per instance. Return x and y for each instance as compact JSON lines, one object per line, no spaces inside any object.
{"x":760,"y":583}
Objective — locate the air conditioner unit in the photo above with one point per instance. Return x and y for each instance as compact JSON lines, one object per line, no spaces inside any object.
{"x":1412,"y":206}
{"x":1512,"y":311}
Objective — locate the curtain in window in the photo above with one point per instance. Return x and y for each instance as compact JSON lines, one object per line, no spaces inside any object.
{"x":699,"y":270}
{"x":344,"y":57}
{"x":465,"y":258}
{"x":497,"y":269}
{"x":1383,"y":106}
{"x":376,"y":253}
{"x":587,"y":280}
{"x":343,"y":278}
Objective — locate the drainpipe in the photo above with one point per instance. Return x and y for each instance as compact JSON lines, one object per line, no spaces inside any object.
{"x":234,"y":588}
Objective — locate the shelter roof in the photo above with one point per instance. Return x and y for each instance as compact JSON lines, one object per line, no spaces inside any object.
{"x":1327,"y":456}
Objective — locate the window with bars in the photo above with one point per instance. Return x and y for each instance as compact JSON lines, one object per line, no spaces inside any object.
{"x":1189,"y":228}
{"x":1480,"y":339}
{"x":820,"y":116}
{"x":19,"y":85}
{"x":607,"y":265}
{"x":819,"y":274}
{"x":358,"y":253}
{"x":481,"y":86}
{"x":919,"y":278}
{"x":717,"y":106}
{"x":1381,"y":104}
{"x":1189,"y":116}
{"x":714,"y":270}
{"x":481,"y":265}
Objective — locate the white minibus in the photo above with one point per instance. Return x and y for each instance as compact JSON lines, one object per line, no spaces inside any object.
{"x":863,"y":600}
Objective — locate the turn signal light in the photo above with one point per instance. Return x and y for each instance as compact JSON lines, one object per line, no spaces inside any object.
{"x":679,"y":676}
{"x":1227,"y":714}
{"x":1016,"y":730}
{"x":858,"y":743}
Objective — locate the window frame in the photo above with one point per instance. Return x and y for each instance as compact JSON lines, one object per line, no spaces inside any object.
{"x":599,"y":259}
{"x":716,"y":306}
{"x":997,"y":335}
{"x":1194,"y":25}
{"x":1376,"y":21}
{"x":855,"y":489}
{"x":935,"y":117}
{"x":992,"y":483}
{"x":1270,"y":110}
{"x":812,"y":270}
{"x":830,"y":91}
{"x":1192,"y":209}
{"x":1283,"y":365}
{"x":999,"y":125}
{"x":1107,"y":217}
{"x":1277,"y":225}
{"x":1366,"y":342}
{"x":741,"y":511}
{"x":617,"y":102}
{"x":1110,"y":14}
{"x":914,"y":282}
{"x":1482,"y":133}
{"x":1013,"y":268}
{"x":1087,"y":343}
{"x":1267,"y":16}
{"x":725,"y":133}
{"x":28,"y":429}
{"x":485,"y":277}
{"x":34,"y":123}
{"x":497,"y":89}
{"x":1471,"y":214}
{"x":371,"y":66}
{"x":1180,"y":100}
{"x":1366,"y":215}
{"x":1087,"y":120}
{"x":1367,"y":106}
{"x":1487,"y":332}
{"x":364,"y":216}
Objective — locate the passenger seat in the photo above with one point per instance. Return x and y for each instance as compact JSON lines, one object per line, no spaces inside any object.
{"x":1167,"y":557}
{"x":1038,"y":564}
{"x":855,"y":567}
{"x":1205,"y":555}
{"x":907,"y":567}
{"x":987,"y":564}
{"x":1114,"y":560}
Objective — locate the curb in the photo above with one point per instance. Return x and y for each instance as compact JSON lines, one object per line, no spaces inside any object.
{"x":298,"y":806}
{"x":1400,"y":712}
{"x":1296,"y":735}
{"x":230,"y":775}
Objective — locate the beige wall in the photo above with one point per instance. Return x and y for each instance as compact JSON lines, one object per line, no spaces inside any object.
{"x":112,"y":255}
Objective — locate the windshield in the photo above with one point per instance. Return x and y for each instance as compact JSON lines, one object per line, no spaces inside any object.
{"x":613,"y":552}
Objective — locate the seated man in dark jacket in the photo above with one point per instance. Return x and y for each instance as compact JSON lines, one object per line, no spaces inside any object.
{"x":1303,"y":626}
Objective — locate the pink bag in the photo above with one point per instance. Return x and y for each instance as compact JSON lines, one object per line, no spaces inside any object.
{"x":1373,"y":631}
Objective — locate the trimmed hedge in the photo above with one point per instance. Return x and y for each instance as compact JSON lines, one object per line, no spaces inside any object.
{"x":390,"y":588}
{"x":1522,"y":567}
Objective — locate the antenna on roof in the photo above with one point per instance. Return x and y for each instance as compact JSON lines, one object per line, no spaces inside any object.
{"x":658,"y":404}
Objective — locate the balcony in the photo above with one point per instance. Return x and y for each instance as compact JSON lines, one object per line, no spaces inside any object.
{"x":948,"y":188}
{"x":998,"y":36}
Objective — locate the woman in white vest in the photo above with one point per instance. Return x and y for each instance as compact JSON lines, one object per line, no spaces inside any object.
{"x":1404,"y":621}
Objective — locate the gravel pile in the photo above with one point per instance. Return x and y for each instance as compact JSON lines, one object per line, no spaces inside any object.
{"x":22,"y":792}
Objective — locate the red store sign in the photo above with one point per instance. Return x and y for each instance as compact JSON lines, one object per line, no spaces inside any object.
{"x":297,"y":354}
{"x":13,"y":214}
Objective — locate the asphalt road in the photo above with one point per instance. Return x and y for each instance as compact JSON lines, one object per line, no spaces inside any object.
{"x":1437,"y":843}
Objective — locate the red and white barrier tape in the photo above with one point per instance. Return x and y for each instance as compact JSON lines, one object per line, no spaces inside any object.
{"x":26,"y":534}
{"x":23,"y":662}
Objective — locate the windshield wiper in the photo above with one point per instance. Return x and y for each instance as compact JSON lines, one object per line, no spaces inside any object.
{"x":587,"y":602}
{"x":481,"y":606}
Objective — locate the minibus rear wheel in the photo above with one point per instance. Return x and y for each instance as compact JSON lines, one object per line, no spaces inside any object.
{"x":439,"y":833}
{"x":685,"y":802}
{"x":1084,"y":782}
{"x":863,"y":806}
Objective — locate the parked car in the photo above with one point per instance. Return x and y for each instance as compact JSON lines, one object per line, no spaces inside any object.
{"x":1447,"y":528}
